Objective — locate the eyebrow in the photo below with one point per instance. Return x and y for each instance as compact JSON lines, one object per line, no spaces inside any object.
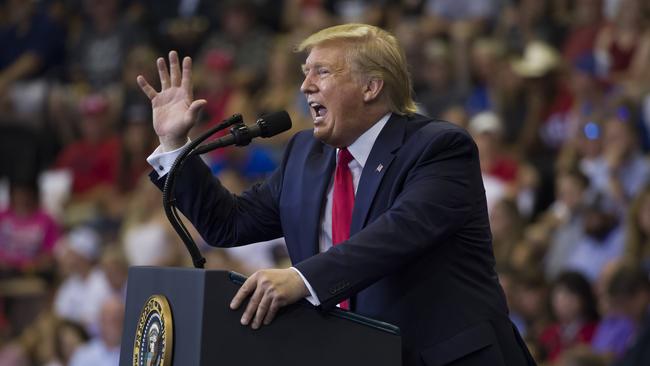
{"x":333,"y":67}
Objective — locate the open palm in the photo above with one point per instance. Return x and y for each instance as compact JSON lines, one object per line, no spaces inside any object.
{"x":174,"y":111}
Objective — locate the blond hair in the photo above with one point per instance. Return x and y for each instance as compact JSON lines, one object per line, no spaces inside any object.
{"x":376,"y":54}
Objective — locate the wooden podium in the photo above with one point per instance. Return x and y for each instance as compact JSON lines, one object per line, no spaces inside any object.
{"x":207,"y":332}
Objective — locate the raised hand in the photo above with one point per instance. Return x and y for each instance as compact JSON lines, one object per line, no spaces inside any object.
{"x":174,"y":110}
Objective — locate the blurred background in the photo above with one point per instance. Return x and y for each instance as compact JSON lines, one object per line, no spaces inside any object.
{"x":556,"y":94}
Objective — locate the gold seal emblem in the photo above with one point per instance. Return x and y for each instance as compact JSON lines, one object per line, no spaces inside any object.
{"x":154,"y":336}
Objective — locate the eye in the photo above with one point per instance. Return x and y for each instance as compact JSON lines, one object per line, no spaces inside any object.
{"x":323,"y":71}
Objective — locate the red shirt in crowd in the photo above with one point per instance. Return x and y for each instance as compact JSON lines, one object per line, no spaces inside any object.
{"x":92,"y":164}
{"x":555,"y":339}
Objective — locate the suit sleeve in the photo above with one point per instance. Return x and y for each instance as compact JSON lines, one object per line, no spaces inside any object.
{"x":224,"y":219}
{"x":438,"y":194}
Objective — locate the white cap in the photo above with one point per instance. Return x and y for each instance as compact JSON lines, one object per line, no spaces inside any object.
{"x":539,"y":58}
{"x":85,"y":242}
{"x":485,"y":122}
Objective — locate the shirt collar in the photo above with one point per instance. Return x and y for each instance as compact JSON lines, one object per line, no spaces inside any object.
{"x":360,"y":148}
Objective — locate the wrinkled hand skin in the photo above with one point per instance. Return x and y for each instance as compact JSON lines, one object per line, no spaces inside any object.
{"x":269,"y":290}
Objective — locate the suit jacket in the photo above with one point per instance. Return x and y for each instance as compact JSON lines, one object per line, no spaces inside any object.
{"x":419,"y":254}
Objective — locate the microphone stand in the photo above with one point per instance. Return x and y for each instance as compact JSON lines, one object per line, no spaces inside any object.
{"x":169,"y":202}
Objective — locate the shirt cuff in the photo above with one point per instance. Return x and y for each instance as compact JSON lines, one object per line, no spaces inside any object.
{"x":162,"y":162}
{"x":312,"y":298}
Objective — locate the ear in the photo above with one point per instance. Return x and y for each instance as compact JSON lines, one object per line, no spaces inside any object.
{"x":372,"y":89}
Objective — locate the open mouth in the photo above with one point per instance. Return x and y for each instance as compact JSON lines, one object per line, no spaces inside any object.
{"x":319,"y":111}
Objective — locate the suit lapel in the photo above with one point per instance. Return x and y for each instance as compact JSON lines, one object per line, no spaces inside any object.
{"x":316,"y":178}
{"x":390,"y":139}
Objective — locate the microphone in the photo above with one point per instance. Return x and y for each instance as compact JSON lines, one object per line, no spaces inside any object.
{"x":266,"y":126}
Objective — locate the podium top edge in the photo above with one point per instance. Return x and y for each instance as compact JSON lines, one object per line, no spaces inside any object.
{"x":239,"y":280}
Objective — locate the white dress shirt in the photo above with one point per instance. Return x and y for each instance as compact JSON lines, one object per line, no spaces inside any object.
{"x":359,"y":149}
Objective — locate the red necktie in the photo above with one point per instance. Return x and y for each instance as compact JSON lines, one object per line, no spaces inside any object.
{"x":343,"y":203}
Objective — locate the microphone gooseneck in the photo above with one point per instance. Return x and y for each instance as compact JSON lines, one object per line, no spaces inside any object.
{"x":240,"y":135}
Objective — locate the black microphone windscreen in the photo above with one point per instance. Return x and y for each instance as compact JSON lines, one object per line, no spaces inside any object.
{"x":274,"y":123}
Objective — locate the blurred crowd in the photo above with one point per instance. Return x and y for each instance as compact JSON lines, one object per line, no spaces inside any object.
{"x":556,"y":94}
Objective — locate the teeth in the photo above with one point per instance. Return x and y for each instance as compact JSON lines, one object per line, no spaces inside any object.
{"x":319,"y":109}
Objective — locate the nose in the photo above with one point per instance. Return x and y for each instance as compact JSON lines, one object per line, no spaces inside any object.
{"x":308,"y":86}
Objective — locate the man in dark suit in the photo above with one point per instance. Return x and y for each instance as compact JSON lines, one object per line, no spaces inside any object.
{"x":382,"y":210}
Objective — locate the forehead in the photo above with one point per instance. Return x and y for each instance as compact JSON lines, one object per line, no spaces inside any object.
{"x":330,"y":54}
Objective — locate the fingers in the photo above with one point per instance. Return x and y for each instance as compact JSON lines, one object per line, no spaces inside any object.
{"x":174,"y":69}
{"x":273,"y":309}
{"x":253,"y":306}
{"x":269,"y":290}
{"x":248,"y":287}
{"x":163,"y":73}
{"x":186,"y":79}
{"x":262,"y":310}
{"x":148,"y":90}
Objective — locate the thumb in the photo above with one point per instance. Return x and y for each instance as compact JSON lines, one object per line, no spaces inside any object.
{"x":195,"y":108}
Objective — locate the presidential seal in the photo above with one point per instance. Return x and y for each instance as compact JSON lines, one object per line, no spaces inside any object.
{"x":154,"y":335}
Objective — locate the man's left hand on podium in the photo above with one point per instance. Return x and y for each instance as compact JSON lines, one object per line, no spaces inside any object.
{"x":269,"y":290}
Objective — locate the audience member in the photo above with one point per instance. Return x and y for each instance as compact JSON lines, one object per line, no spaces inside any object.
{"x":68,"y":337}
{"x":601,"y":241}
{"x":628,"y":295}
{"x":104,"y":349}
{"x":565,"y":217}
{"x":84,"y":287}
{"x":27,"y":233}
{"x":576,"y":318}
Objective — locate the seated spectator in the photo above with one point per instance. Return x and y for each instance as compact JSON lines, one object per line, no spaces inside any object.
{"x":32,"y":44}
{"x":437,"y":90}
{"x":619,"y":43}
{"x":93,"y":158}
{"x":621,"y":170}
{"x":115,"y":267}
{"x":27,"y":239}
{"x":27,"y":232}
{"x":137,"y":142}
{"x":585,"y":21}
{"x":145,"y":235}
{"x":565,"y":218}
{"x":506,"y":225}
{"x":244,"y":40}
{"x":487,"y":59}
{"x":103,"y":350}
{"x":507,"y":279}
{"x":503,"y":175}
{"x":601,"y":241}
{"x":529,"y":300}
{"x":498,"y":169}
{"x":68,"y":337}
{"x":639,"y":352}
{"x":85,"y":286}
{"x":574,"y":308}
{"x":628,"y":295}
{"x":98,"y":53}
{"x":521,"y":22}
